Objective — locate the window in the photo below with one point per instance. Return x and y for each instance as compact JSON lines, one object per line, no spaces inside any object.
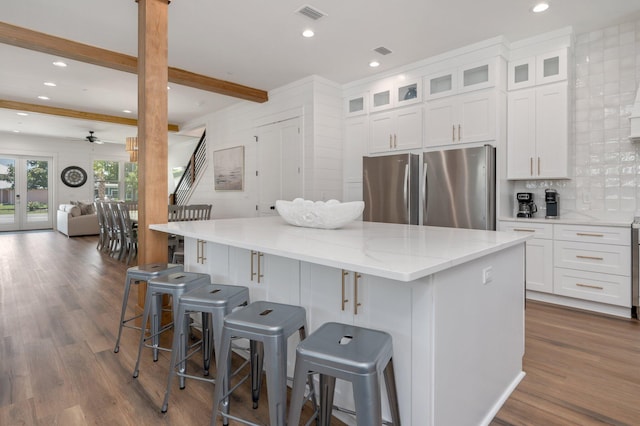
{"x":131,"y":182}
{"x":115,"y":180}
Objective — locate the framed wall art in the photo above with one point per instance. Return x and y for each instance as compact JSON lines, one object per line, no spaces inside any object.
{"x":228,"y":169}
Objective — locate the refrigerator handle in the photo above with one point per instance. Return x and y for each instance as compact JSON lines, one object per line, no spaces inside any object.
{"x":424,"y":193}
{"x":406,"y":186}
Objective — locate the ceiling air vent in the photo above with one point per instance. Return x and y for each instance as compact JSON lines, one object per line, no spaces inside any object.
{"x":382,"y":50}
{"x":311,"y":12}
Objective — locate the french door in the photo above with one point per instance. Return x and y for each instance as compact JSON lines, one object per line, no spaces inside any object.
{"x":25,"y":194}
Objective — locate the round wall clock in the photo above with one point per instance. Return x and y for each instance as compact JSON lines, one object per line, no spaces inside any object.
{"x":73,"y":176}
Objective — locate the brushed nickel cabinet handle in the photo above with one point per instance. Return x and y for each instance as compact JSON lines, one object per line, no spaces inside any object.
{"x":344,"y":299}
{"x":597,"y":287}
{"x":253,"y":274}
{"x":589,"y":257}
{"x":395,"y":140}
{"x":524,"y":230}
{"x":531,"y":166}
{"x":538,"y":166}
{"x":200,"y":258}
{"x":390,"y":141}
{"x":459,"y":132}
{"x":260,"y":275}
{"x":453,"y":133}
{"x":355,"y":293}
{"x":588,"y":234}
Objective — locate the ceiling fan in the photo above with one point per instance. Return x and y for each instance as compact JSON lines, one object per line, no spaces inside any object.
{"x":93,"y":139}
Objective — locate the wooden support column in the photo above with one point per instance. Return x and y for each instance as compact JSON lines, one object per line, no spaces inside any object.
{"x":152,"y":131}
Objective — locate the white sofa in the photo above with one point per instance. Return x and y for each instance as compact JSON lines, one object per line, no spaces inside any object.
{"x":72,"y":222}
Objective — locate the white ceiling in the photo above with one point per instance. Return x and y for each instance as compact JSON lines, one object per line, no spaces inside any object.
{"x":255,"y":43}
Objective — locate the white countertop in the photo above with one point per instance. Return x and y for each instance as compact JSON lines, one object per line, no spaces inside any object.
{"x":623,"y":221}
{"x":398,"y":252}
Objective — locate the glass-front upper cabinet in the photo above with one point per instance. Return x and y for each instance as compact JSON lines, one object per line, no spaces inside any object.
{"x":395,"y":94}
{"x":356,"y":105}
{"x":470,"y":77}
{"x":540,"y":69}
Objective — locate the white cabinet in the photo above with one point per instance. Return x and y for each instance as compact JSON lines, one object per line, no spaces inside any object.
{"x":476,"y":76}
{"x":387,"y":94}
{"x":396,"y":130}
{"x":593,"y":263}
{"x":537,"y":133}
{"x":539,"y":257}
{"x":206,"y":258}
{"x":536,"y":70}
{"x":331,"y":294}
{"x":356,"y":105}
{"x":463,"y":118}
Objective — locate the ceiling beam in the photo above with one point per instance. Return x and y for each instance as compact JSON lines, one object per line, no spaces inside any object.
{"x":45,"y":43}
{"x":83,"y":115}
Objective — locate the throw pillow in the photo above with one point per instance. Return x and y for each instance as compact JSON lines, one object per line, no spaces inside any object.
{"x":75,"y":211}
{"x":85,"y":208}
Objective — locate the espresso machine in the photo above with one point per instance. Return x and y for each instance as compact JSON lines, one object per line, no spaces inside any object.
{"x":526,"y":206}
{"x":552,"y":198}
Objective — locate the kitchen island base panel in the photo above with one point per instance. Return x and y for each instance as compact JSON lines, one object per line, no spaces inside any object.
{"x":586,"y":305}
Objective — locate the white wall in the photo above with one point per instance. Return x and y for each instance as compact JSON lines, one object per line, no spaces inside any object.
{"x":604,"y":162}
{"x":318,"y":102}
{"x":64,"y":153}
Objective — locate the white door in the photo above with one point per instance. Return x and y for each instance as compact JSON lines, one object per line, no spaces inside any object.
{"x":25,"y":197}
{"x":279,"y":171}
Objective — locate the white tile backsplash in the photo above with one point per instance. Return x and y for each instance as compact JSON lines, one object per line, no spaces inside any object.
{"x":605,"y":164}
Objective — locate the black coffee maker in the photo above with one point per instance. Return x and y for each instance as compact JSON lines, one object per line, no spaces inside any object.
{"x":552,"y":198}
{"x":526,"y":206}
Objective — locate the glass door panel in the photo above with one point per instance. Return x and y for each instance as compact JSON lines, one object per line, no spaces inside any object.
{"x":25,"y":196}
{"x":8,"y":212}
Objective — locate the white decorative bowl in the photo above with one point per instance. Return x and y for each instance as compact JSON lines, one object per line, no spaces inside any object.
{"x":326,"y":215}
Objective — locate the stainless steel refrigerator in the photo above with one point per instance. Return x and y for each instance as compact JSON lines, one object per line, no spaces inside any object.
{"x":459,"y":188}
{"x":390,"y":188}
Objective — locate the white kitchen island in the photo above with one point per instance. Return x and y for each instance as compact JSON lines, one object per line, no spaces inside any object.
{"x":453,"y":300}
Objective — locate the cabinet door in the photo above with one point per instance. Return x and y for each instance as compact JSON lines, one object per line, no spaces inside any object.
{"x":356,"y":131}
{"x":476,"y":76}
{"x":539,"y":266}
{"x":440,"y":85}
{"x":521,"y":74}
{"x":408,"y":131}
{"x":381,"y":134}
{"x":440,"y":127}
{"x":409,"y":92}
{"x":521,"y":133}
{"x":356,"y":105}
{"x":551,"y":67}
{"x":552,"y":131}
{"x":477,"y":117}
{"x":381,"y":98}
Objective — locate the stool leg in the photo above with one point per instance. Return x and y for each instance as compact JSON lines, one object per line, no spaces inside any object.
{"x":327,"y":389}
{"x":297,"y":392}
{"x":125,"y":300}
{"x":176,"y":354}
{"x":257,"y":359}
{"x":392,"y":392}
{"x":222,"y":379}
{"x":143,"y":327}
{"x":302,"y":332}
{"x":156,"y":317}
{"x":275,"y":353}
{"x":366,"y":392}
{"x":206,"y":342}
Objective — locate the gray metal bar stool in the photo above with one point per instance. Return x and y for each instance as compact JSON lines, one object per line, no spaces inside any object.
{"x":350,"y":353}
{"x":175,"y":285}
{"x":267,"y":325}
{"x":216,"y":300}
{"x":137,"y":274}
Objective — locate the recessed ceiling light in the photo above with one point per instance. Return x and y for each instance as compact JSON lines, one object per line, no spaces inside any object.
{"x":374,"y":64}
{"x":16,"y":131}
{"x":44,"y":98}
{"x":540,"y":7}
{"x":308,"y":33}
{"x":50,"y":84}
{"x":168,"y":87}
{"x":126,"y":111}
{"x":22,"y":114}
{"x":60,"y":64}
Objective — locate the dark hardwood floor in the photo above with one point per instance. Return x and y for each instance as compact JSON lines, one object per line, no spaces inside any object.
{"x":59,"y":309}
